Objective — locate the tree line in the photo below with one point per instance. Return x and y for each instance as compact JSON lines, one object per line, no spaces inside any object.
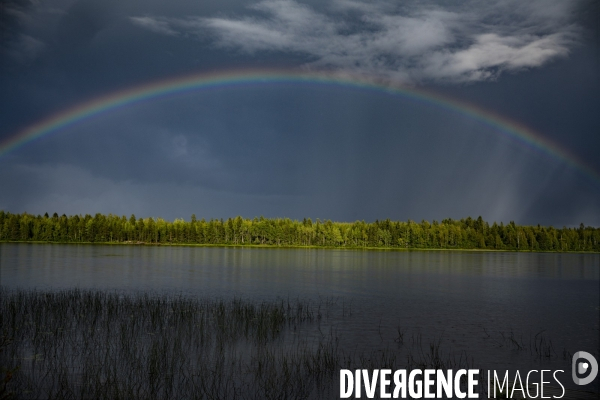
{"x":467,"y":233}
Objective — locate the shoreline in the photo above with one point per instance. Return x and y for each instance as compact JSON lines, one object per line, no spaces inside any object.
{"x":269,"y":246}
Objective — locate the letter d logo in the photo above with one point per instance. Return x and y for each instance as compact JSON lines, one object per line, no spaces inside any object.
{"x":583,"y":367}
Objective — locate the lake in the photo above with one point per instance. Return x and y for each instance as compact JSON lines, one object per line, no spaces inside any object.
{"x":469,"y":302}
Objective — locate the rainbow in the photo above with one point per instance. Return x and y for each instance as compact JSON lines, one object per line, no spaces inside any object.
{"x":204,"y":81}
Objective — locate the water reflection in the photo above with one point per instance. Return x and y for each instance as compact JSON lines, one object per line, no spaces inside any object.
{"x":295,"y":272}
{"x":468,"y":300}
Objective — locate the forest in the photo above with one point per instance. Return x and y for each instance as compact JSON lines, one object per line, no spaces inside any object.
{"x":467,"y":233}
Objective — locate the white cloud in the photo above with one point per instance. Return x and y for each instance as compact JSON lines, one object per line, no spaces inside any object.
{"x":410,"y":41}
{"x":492,"y":54}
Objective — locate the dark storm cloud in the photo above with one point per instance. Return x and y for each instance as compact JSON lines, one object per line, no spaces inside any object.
{"x":70,"y":189}
{"x":15,"y":44}
{"x":368,"y":157}
{"x":83,"y":21}
{"x":303,"y":150}
{"x":416,"y":41}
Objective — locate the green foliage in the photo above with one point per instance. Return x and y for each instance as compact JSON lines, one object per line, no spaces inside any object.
{"x":467,"y":233}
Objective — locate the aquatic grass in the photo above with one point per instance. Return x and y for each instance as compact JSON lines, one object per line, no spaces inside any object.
{"x":75,"y":344}
{"x":96,"y":344}
{"x":539,"y":345}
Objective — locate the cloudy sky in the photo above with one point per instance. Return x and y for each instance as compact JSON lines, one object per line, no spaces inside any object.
{"x":305,"y":150}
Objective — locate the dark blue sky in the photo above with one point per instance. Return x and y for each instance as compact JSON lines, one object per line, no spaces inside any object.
{"x":299,"y":151}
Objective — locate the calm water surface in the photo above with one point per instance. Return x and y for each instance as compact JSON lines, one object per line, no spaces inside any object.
{"x":465,"y":300}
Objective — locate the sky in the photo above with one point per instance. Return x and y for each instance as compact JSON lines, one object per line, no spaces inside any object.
{"x":311,"y":148}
